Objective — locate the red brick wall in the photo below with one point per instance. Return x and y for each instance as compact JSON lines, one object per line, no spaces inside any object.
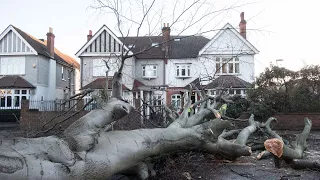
{"x":295,"y":121}
{"x":32,"y":121}
{"x":170,"y":92}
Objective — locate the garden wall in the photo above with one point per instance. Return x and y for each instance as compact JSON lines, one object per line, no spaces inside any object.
{"x":33,"y":120}
{"x":289,"y":121}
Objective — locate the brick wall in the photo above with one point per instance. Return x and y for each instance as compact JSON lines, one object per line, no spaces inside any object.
{"x":295,"y":121}
{"x":32,"y":120}
{"x":289,"y":121}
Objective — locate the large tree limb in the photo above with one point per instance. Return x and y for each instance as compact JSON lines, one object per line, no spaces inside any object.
{"x":279,"y":149}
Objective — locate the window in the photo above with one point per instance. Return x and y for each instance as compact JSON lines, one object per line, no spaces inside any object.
{"x":62,"y":73}
{"x":100,"y":68}
{"x":149,"y":71}
{"x":227,"y":65}
{"x":12,"y":65}
{"x":183,"y":70}
{"x":10,"y":98}
{"x":176,"y":101}
{"x":156,"y":100}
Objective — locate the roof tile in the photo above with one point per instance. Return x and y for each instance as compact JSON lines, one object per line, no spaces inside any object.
{"x":227,"y":81}
{"x":41,"y":48}
{"x":14,"y":82}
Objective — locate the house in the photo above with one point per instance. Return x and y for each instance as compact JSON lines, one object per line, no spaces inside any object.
{"x":102,"y":48}
{"x":34,"y":69}
{"x":164,"y":65}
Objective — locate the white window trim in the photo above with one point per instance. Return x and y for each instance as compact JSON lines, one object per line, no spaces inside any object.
{"x":99,"y":67}
{"x":233,"y":61}
{"x":179,"y":69}
{"x":213,"y":92}
{"x":4,"y":66}
{"x":62,"y":73}
{"x":150,"y":74}
{"x":175,"y":100}
{"x":4,"y":94}
{"x":156,"y":98}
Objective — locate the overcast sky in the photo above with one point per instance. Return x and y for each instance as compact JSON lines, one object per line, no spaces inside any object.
{"x":279,"y":29}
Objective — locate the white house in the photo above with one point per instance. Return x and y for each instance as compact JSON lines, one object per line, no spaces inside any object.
{"x":164,"y":65}
{"x":101,"y":48}
{"x":32,"y":68}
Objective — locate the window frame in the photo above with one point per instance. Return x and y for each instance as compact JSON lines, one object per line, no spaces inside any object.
{"x":157,"y":100}
{"x":175,"y":99}
{"x":99,"y":68}
{"x":19,"y":66}
{"x":149,"y":71}
{"x":223,"y":64}
{"x":183,"y":66}
{"x":13,"y":97}
{"x":62,"y":73}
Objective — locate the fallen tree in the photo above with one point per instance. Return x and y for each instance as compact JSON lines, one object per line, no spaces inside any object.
{"x":85,"y":150}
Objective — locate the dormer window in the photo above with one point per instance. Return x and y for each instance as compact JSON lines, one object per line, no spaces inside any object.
{"x":177,"y":39}
{"x":155,"y":44}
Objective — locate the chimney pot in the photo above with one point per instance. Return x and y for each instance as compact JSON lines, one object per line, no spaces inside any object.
{"x":243,"y":26}
{"x":166,"y":39}
{"x":89,"y":36}
{"x":50,"y":42}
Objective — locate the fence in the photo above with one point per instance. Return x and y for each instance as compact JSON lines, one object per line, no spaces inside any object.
{"x":61,"y":105}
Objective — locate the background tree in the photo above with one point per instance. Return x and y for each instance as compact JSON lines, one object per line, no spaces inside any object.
{"x":282,"y":90}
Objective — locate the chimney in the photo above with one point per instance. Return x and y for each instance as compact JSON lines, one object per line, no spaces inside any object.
{"x":89,"y":36}
{"x":50,"y":42}
{"x":166,"y":39}
{"x":243,"y":26}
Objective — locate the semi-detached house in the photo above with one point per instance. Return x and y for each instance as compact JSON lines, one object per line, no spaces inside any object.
{"x":32,"y":68}
{"x":166,"y":64}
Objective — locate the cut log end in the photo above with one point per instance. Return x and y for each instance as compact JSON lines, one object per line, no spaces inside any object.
{"x":275,"y":146}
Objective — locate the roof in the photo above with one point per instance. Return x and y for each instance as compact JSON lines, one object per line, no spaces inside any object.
{"x":14,"y":82}
{"x":180,"y":46}
{"x":136,"y":85}
{"x":196,"y":84}
{"x":41,"y":48}
{"x":100,"y":83}
{"x":227,"y":81}
{"x":221,"y":31}
{"x":95,"y":36}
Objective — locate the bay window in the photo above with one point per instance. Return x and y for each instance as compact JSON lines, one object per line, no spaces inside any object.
{"x":183,"y":70}
{"x":100,"y":68}
{"x":225,"y":65}
{"x":149,"y":71}
{"x":11,"y":98}
{"x":12,"y":65}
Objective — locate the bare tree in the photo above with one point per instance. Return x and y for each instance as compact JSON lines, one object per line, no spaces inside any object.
{"x":85,"y":150}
